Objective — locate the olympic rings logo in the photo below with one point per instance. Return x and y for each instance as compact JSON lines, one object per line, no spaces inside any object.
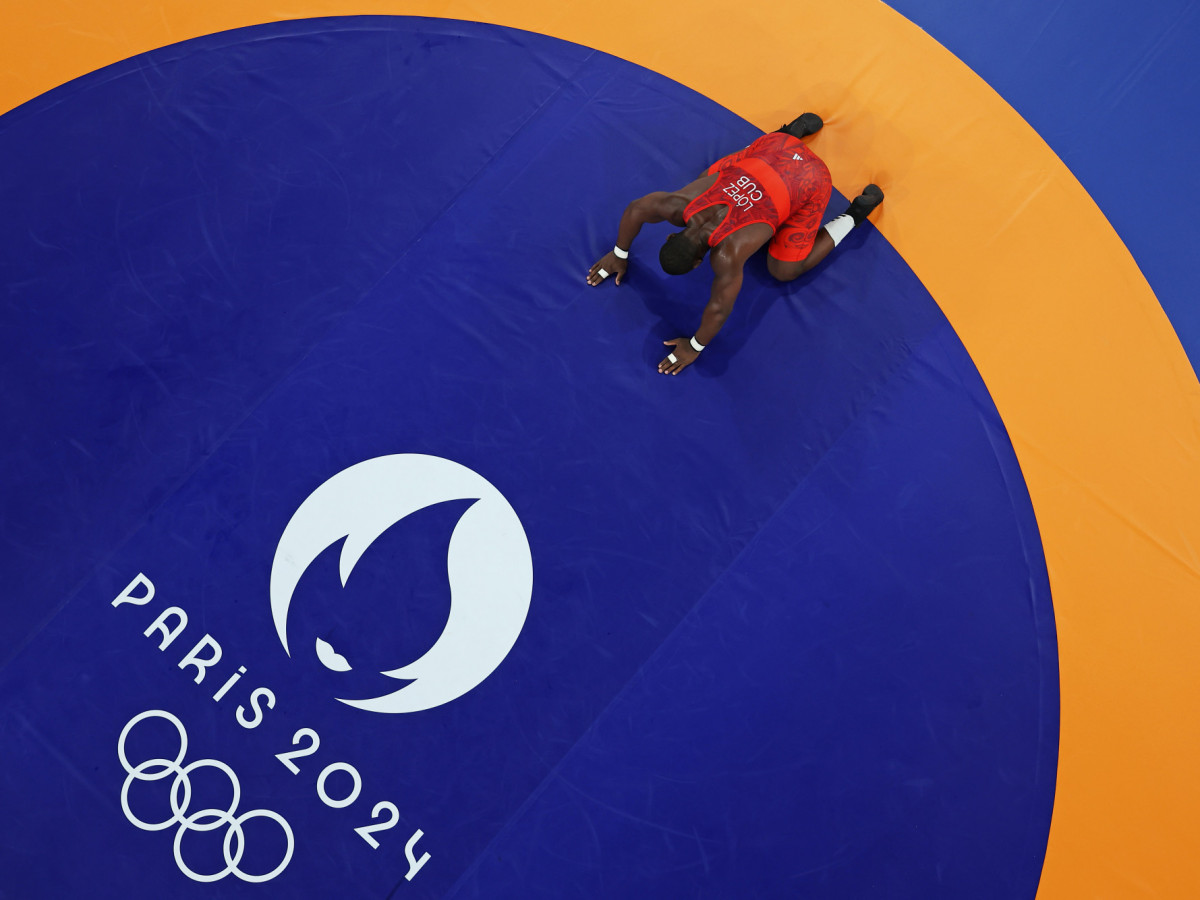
{"x":202,"y":820}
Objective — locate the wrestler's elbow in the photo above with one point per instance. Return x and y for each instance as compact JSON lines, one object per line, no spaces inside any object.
{"x":716,"y":313}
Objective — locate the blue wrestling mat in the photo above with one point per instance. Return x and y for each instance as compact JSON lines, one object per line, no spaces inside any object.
{"x":354,"y":547}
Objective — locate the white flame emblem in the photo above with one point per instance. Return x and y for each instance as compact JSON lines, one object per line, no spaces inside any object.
{"x":489,"y":563}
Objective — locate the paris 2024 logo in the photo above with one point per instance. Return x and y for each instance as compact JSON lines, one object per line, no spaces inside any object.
{"x":488,"y":565}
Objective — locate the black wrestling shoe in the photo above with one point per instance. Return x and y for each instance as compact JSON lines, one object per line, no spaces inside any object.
{"x":862,"y":205}
{"x":804,"y":125}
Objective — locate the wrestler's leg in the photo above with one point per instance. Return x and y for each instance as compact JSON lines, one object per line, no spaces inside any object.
{"x":790,"y":270}
{"x":827,"y":237}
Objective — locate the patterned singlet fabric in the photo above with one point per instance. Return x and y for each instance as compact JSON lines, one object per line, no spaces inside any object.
{"x":777,"y":180}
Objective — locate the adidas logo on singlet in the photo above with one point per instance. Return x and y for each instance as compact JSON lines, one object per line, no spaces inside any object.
{"x":797,"y":156}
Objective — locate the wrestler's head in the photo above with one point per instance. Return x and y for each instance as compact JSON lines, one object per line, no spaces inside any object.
{"x":681,"y":253}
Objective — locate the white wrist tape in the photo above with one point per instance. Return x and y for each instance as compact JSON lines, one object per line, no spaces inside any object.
{"x":619,"y":253}
{"x":696,"y":345}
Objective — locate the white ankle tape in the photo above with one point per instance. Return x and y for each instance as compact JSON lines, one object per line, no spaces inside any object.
{"x":840,"y":227}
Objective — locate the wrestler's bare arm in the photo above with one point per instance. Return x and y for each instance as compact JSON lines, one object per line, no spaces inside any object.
{"x":660,"y":206}
{"x":727,"y":284}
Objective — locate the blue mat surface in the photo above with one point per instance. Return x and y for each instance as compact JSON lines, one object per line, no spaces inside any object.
{"x":789,"y":631}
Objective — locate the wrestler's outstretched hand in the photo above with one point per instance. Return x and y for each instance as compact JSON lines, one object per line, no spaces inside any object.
{"x":609,"y":264}
{"x":679,"y":358}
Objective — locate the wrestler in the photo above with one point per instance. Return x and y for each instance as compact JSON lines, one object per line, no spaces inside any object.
{"x":773,"y":192}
